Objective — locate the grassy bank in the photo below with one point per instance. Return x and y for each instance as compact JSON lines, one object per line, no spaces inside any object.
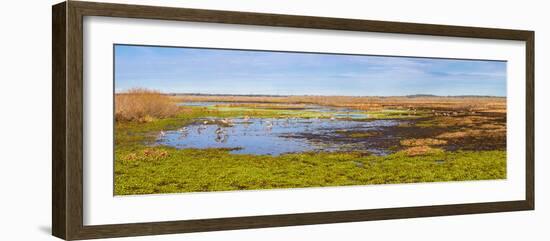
{"x":148,"y":170}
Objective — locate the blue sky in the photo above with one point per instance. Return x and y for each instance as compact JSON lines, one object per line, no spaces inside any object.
{"x":220,"y":71}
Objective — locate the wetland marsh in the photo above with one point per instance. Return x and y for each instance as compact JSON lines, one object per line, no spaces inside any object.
{"x":205,"y":119}
{"x":216,"y":146}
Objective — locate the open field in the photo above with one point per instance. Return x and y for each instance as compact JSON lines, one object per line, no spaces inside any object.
{"x":217,"y":143}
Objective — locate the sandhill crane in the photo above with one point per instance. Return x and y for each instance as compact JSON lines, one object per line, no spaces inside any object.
{"x":200,"y":129}
{"x":226,"y":121}
{"x":221,"y":135}
{"x":268,"y":124}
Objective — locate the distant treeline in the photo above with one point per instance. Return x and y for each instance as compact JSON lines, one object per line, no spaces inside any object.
{"x":407,"y":96}
{"x":455,"y":96}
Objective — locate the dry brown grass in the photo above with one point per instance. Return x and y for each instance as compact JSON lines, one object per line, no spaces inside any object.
{"x":143,"y":105}
{"x":492,"y":126}
{"x":501,"y":132}
{"x":420,"y":150}
{"x":473,"y":121}
{"x":423,"y":142}
{"x":147,"y":154}
{"x":421,"y":146}
{"x":459,"y":134}
{"x":463,"y":105}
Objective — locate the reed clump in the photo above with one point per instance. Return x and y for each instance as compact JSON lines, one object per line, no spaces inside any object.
{"x":143,"y":105}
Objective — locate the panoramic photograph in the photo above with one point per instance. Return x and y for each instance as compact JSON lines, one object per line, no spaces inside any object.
{"x":202,"y":120}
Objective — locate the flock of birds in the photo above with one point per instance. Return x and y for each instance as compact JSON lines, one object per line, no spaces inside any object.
{"x":452,"y":113}
{"x":222,"y":135}
{"x":221,"y":130}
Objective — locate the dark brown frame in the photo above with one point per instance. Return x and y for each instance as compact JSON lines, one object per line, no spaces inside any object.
{"x":67,"y":123}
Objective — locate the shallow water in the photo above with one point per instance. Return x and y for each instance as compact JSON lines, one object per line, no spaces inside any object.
{"x":263,"y":136}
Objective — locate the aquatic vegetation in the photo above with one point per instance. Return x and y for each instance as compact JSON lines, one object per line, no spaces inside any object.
{"x":358,"y":133}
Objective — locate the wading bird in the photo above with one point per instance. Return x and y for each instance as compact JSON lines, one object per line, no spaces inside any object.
{"x":221,"y":135}
{"x":226,"y":121}
{"x":200,"y":129}
{"x":161,"y":134}
{"x":269,"y":125}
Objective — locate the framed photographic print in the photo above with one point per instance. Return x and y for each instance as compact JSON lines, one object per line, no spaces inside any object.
{"x":171,"y":120}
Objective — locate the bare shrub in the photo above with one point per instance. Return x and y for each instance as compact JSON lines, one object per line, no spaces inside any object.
{"x":143,"y":105}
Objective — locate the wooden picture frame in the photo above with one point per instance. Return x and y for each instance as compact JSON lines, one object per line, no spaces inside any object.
{"x":67,"y":152}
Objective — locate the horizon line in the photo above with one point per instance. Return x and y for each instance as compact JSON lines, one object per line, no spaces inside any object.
{"x":283,"y":95}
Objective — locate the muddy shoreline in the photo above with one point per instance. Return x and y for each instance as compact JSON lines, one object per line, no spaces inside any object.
{"x":387,"y":140}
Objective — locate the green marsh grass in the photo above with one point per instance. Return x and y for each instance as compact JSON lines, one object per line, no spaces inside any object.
{"x":150,"y":170}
